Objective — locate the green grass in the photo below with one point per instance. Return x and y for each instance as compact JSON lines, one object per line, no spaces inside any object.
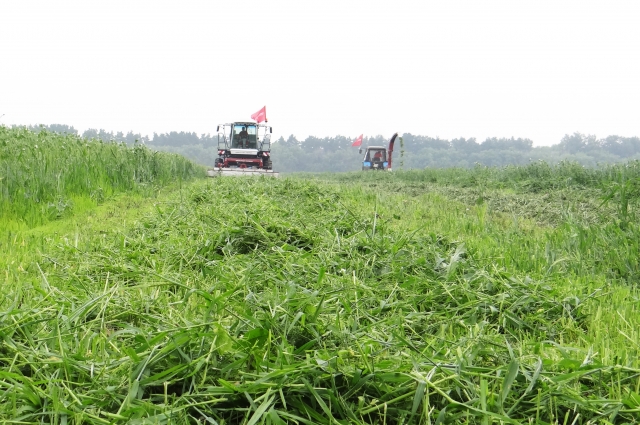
{"x":428,"y":297}
{"x":46,"y":176}
{"x":270,"y":301}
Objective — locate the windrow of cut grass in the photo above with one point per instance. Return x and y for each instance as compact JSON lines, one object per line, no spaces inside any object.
{"x":290,"y":301}
{"x":532,"y":178}
{"x":598,"y":264}
{"x":561,"y":185}
{"x":586,"y":229}
{"x":44,"y":176}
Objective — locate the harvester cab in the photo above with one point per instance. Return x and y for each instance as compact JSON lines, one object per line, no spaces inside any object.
{"x":244,"y":149}
{"x":378,"y":157}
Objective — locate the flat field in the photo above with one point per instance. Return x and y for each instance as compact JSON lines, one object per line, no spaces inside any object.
{"x":434,"y":296}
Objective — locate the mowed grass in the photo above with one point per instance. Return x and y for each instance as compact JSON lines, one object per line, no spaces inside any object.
{"x":298,"y":301}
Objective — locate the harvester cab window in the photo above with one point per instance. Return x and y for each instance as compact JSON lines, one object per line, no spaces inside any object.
{"x":244,"y":136}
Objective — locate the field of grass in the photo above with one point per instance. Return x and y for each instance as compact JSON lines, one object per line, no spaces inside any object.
{"x":420,"y":297}
{"x":45,"y":176}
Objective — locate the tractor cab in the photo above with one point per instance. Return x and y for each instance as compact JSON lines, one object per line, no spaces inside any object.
{"x":378,"y":157}
{"x":375,"y":158}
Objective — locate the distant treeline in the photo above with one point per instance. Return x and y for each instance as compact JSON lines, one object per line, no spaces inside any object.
{"x":174,"y":138}
{"x":336,"y":154}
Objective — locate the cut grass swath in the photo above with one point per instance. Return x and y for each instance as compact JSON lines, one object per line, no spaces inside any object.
{"x":255,"y":311}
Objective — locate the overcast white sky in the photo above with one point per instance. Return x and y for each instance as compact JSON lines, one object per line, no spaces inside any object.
{"x":536,"y":69}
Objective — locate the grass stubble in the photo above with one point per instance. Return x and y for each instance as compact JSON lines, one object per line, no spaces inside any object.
{"x":300,"y":301}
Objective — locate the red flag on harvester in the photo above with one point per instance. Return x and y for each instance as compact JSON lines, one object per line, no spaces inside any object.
{"x":261,"y":115}
{"x":358,"y":141}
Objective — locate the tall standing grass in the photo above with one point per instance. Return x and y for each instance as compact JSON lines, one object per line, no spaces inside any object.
{"x":41,"y":173}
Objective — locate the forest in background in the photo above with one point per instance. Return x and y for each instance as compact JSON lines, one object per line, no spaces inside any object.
{"x":336,"y":154}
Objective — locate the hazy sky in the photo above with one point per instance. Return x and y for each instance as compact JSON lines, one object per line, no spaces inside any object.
{"x":536,"y":69}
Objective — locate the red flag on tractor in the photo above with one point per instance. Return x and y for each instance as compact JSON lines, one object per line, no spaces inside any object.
{"x":261,"y":115}
{"x":358,"y":141}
